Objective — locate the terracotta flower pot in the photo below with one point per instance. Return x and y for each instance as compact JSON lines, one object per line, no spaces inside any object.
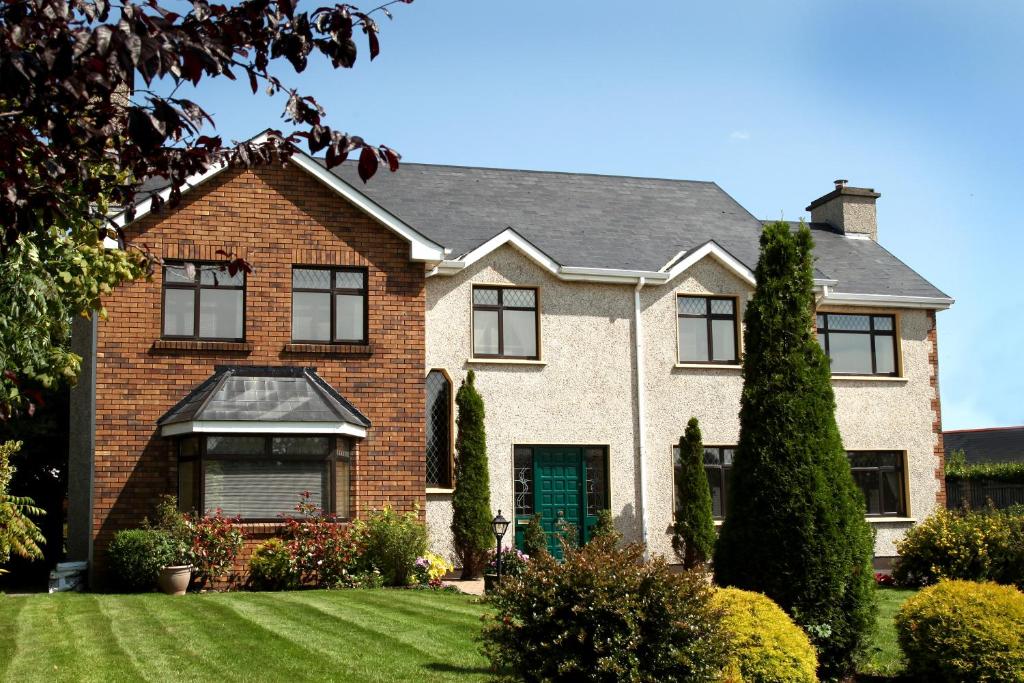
{"x":174,"y":580}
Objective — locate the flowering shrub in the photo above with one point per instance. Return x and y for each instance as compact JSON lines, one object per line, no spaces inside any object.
{"x":513,"y":562}
{"x":216,"y":542}
{"x":392,"y":542}
{"x":982,"y":545}
{"x":884,"y":579}
{"x":429,"y":569}
{"x":324,"y":553}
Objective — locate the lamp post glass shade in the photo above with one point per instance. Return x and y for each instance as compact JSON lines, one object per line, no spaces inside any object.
{"x":500,"y":526}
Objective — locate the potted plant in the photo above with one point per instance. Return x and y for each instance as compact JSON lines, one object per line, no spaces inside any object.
{"x":175,"y":551}
{"x":176,"y":573}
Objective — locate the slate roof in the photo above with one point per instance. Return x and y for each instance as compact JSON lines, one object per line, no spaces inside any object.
{"x":264,"y":394}
{"x":600,"y":221}
{"x":998,"y":444}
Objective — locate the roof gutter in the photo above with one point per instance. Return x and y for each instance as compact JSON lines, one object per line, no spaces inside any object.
{"x":641,"y":406}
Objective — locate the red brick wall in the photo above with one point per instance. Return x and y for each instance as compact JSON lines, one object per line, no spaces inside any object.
{"x":274,"y":217}
{"x":940,"y":451}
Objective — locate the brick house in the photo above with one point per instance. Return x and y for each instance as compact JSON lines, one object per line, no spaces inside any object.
{"x":599,"y":314}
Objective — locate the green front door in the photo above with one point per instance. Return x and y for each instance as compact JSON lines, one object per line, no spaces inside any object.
{"x":558,"y":478}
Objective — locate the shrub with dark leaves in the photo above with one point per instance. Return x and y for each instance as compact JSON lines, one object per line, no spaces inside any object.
{"x":604,"y":614}
{"x":325,"y":552}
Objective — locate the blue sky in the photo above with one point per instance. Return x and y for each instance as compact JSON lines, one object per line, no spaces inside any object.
{"x":923,"y":101}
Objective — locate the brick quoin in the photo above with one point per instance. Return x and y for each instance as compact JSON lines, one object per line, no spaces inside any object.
{"x":940,"y":451}
{"x":274,"y":217}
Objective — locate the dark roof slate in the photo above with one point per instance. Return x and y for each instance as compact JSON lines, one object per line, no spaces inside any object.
{"x":999,"y":444}
{"x":264,"y":394}
{"x":600,"y":221}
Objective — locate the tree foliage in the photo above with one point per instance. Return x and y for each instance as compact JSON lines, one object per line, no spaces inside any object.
{"x":693,"y":534}
{"x":795,"y":529}
{"x":18,"y":534}
{"x":471,"y":502}
{"x":76,"y":139}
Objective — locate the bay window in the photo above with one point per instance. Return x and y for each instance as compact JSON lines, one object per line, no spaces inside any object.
{"x":262,"y":478}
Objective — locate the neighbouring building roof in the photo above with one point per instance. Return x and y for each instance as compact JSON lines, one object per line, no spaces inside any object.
{"x":996,"y":444}
{"x":255,"y":399}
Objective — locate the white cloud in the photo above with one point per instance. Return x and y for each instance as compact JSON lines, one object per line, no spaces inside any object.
{"x":739,"y":135}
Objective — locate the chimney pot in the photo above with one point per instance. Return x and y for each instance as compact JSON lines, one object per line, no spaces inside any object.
{"x":841,"y":183}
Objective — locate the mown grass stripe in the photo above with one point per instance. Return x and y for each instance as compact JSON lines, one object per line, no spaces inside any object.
{"x":349,"y":650}
{"x":10,"y":629}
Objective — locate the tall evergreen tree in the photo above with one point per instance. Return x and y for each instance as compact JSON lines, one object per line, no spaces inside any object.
{"x":471,"y":502}
{"x":693,"y":535}
{"x":794,"y":528}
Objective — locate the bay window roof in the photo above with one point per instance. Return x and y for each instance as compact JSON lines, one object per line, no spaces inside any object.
{"x":255,"y":399}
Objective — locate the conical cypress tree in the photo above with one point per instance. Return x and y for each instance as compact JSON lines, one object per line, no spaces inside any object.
{"x":794,"y":528}
{"x":471,"y":502}
{"x":693,"y":535}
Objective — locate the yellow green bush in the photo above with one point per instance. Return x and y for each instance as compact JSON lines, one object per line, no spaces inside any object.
{"x":765,"y":646}
{"x":974,"y":545}
{"x":963,"y":631}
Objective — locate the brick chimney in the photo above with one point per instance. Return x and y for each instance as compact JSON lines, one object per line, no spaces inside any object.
{"x":849,"y":210}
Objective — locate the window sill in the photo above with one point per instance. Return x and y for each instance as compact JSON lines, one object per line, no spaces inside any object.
{"x":439,"y":491}
{"x":709,"y":366}
{"x":197,"y":345}
{"x":888,"y":520}
{"x":505,"y":361}
{"x":869,"y":378}
{"x":331,"y":349}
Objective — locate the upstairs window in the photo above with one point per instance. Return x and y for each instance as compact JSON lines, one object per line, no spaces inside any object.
{"x":718,"y":469}
{"x":707,"y":330}
{"x":505,"y":323}
{"x":879,"y":474}
{"x":859,"y":344}
{"x":439,"y":430}
{"x":329,"y":305}
{"x":203,"y":301}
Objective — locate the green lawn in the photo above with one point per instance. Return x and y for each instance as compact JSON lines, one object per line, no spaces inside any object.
{"x":348,"y":635}
{"x":886,"y":660}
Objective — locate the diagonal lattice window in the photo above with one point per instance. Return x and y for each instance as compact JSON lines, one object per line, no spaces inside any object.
{"x":439,"y":429}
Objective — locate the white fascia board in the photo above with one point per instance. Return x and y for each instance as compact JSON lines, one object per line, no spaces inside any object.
{"x":718,"y":253}
{"x":850,"y":299}
{"x":421,"y":248}
{"x":255,"y":427}
{"x":510,"y":236}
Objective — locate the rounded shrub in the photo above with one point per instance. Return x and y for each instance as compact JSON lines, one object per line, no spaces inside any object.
{"x":271,"y":567}
{"x":136,"y":557}
{"x":765,"y":645}
{"x":963,"y":631}
{"x":603,"y":614}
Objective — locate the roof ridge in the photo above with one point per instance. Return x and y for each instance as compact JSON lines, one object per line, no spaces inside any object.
{"x":982,"y":429}
{"x":589,"y":174}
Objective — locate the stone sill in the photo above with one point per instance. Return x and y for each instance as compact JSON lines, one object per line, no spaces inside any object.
{"x":869,"y":378}
{"x":439,"y":491}
{"x":197,"y":345}
{"x":331,"y":349}
{"x":505,"y":361}
{"x":869,"y":520}
{"x":709,"y":366}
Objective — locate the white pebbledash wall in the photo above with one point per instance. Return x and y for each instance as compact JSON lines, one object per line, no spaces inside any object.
{"x":583,"y":391}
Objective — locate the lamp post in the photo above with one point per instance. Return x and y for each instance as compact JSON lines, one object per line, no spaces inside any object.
{"x":500,"y":525}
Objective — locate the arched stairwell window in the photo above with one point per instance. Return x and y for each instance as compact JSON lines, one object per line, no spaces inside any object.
{"x":439,"y":430}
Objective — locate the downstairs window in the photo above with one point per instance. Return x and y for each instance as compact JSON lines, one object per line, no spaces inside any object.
{"x":262,"y":478}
